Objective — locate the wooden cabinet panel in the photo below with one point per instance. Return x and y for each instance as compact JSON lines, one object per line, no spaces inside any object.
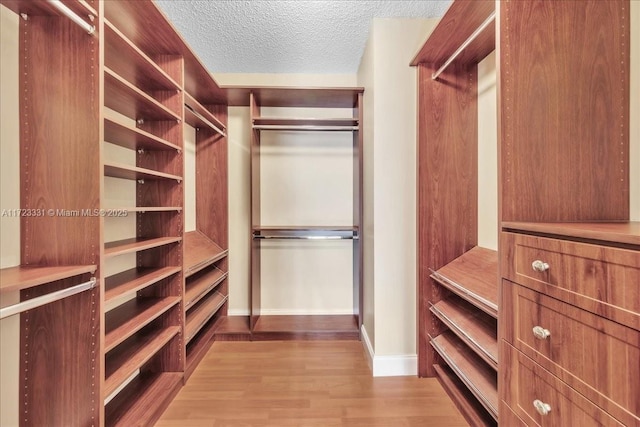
{"x":528,"y":384}
{"x":603,"y":280}
{"x":597,"y":357}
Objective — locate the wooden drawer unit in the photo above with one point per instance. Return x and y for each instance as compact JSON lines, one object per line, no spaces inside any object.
{"x":541,"y":399}
{"x":570,"y":323}
{"x":597,"y":357}
{"x":604,"y":280}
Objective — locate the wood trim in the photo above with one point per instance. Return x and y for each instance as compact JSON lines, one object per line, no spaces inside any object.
{"x":304,"y":327}
{"x":279,"y":96}
{"x":626,"y":232}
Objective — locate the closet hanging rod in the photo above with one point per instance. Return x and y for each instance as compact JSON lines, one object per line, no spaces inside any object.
{"x":464,"y":45}
{"x":46,"y":299}
{"x":204,"y":120}
{"x":307,"y":127}
{"x":260,"y":237}
{"x":62,"y":8}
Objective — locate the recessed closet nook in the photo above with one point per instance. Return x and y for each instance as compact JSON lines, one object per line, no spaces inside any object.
{"x":149,"y":211}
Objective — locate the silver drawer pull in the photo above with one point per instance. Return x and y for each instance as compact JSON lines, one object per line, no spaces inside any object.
{"x":539,"y":266}
{"x":541,"y":333}
{"x":541,"y":407}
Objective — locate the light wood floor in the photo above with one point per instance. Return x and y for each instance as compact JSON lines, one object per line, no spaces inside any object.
{"x":303,"y":383}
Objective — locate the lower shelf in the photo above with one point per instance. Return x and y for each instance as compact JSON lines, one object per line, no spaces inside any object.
{"x":200,"y":344}
{"x":233,"y":328}
{"x":470,"y":408}
{"x":144,"y":400}
{"x":477,"y":376}
{"x":200,"y":313}
{"x":341,"y":327}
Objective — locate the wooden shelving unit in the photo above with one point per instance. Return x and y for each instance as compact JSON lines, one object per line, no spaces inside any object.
{"x":131,"y":281}
{"x":135,"y":173}
{"x":130,"y":137}
{"x":201,"y":284}
{"x":480,"y":379}
{"x":23,"y":277}
{"x":457,"y":279}
{"x":306,"y":327}
{"x":136,"y":244}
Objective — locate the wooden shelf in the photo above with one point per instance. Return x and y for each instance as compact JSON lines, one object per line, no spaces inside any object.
{"x":199,"y":285}
{"x":474,"y":277}
{"x":127,"y":319}
{"x":627,"y":232}
{"x":308,"y":124}
{"x":339,"y":327}
{"x":131,"y":281}
{"x":132,"y":64}
{"x":24,"y":277}
{"x":117,"y":170}
{"x":125,"y":359}
{"x":196,"y":115}
{"x":200,"y":344}
{"x":142,"y":402}
{"x":201,"y":313}
{"x":477,"y":376}
{"x":233,"y":328}
{"x":134,"y":138}
{"x":459,"y":22}
{"x":136,"y":244}
{"x":200,"y":252}
{"x":129,"y":100}
{"x":310,"y":97}
{"x":475,"y":328}
{"x":470,"y":408}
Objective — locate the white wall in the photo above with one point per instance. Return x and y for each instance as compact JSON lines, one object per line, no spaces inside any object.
{"x":391,"y":185}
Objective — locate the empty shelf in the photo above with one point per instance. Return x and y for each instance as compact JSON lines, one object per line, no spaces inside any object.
{"x":126,"y":59}
{"x":141,"y":403}
{"x":134,"y":138}
{"x":130,"y":317}
{"x":479,"y":378}
{"x":121,"y":247}
{"x":125,"y":359}
{"x":117,"y":170}
{"x":470,"y":408}
{"x":196,"y":115}
{"x":474,"y":277}
{"x":306,"y":327}
{"x":23,"y":277}
{"x":201,"y":313}
{"x":477,"y":329}
{"x":133,"y":280}
{"x":125,"y":98}
{"x":200,"y":252}
{"x":197,"y":286}
{"x":200,"y":344}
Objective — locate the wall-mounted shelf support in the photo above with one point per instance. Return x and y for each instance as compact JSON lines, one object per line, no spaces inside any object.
{"x":90,"y":29}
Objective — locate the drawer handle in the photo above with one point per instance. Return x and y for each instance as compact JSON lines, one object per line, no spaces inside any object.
{"x":541,"y":407}
{"x":541,"y":333}
{"x":539,"y":266}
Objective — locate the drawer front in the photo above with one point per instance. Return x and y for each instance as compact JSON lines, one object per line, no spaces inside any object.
{"x":597,"y":357}
{"x":600,"y":279}
{"x":530,"y":389}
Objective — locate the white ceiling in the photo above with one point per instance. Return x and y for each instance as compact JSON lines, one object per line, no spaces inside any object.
{"x":277,"y":36}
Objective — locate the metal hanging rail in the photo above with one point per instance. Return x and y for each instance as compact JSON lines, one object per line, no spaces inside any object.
{"x":464,"y":45}
{"x":62,"y":8}
{"x":46,"y":299}
{"x":304,"y":237}
{"x":307,"y":127}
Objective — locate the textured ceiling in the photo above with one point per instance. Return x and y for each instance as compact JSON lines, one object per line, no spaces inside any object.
{"x":312,"y":37}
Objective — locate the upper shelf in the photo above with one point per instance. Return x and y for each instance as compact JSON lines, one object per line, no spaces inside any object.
{"x":134,"y":65}
{"x":459,"y":22}
{"x":616,"y":232}
{"x":133,"y":138}
{"x":200,"y":252}
{"x":24,"y":277}
{"x":196,"y":115}
{"x":474,"y":277}
{"x":132,"y":18}
{"x":310,"y":97}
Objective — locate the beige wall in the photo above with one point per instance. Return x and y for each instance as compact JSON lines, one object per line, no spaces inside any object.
{"x":9,"y":199}
{"x":390,"y":186}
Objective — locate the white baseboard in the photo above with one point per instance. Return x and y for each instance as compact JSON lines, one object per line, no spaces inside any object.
{"x":238,"y":312}
{"x":388,"y":366}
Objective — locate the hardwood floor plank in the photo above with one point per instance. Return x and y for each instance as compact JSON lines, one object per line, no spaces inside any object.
{"x":303,"y":383}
